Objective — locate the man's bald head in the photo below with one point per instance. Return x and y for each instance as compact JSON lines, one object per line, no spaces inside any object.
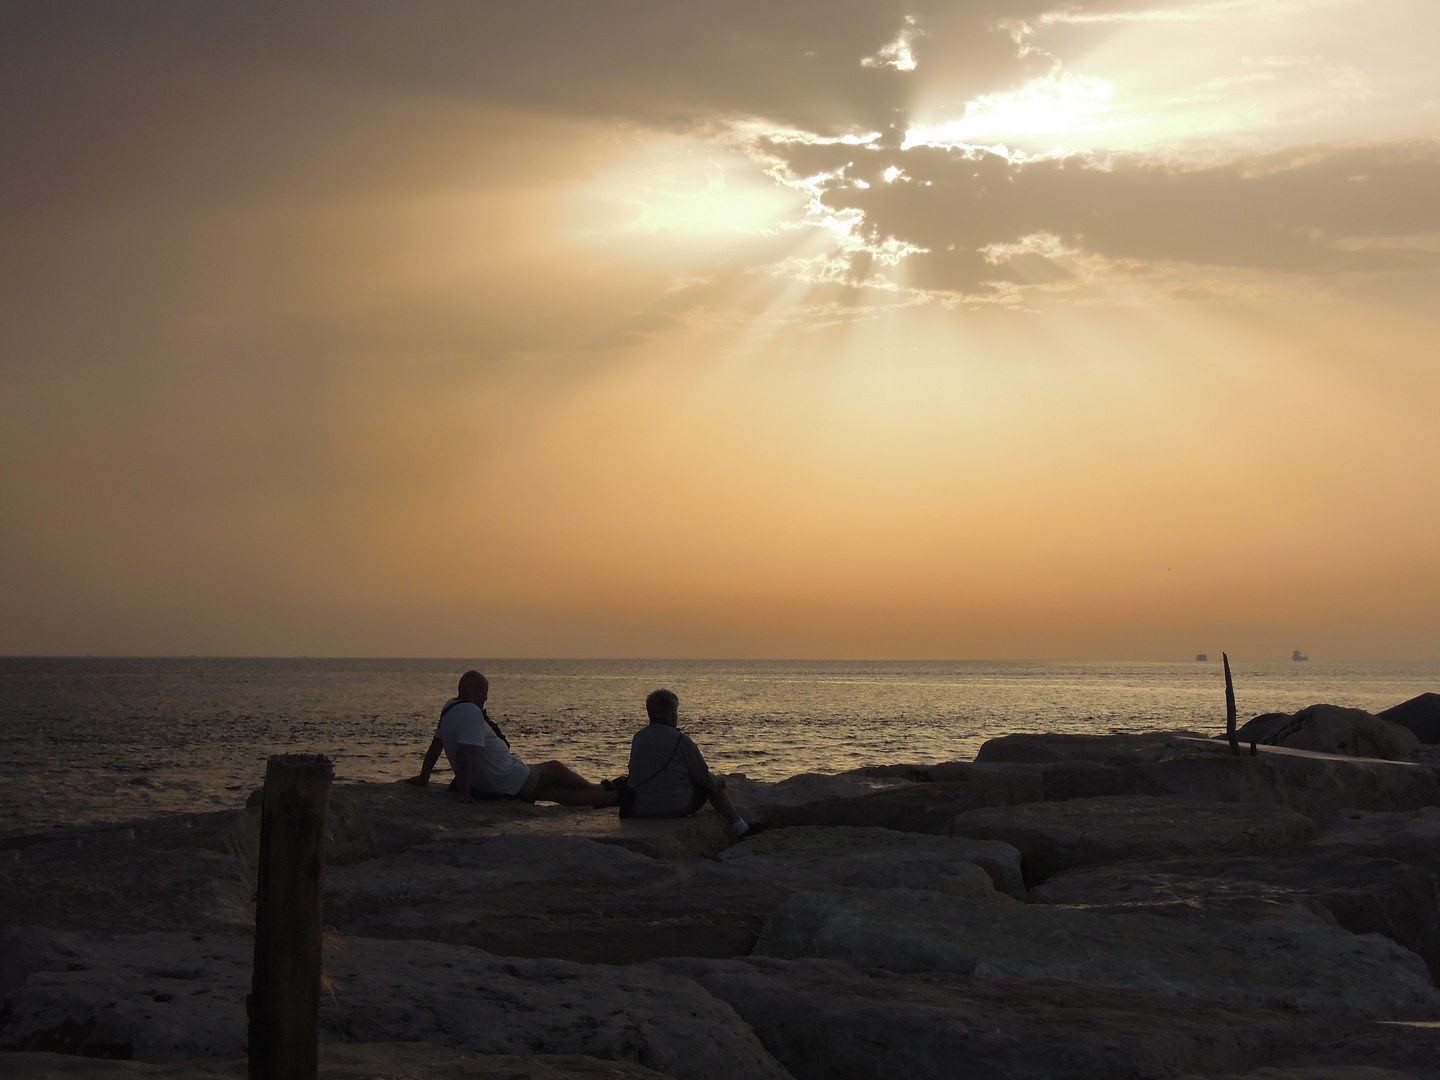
{"x":474,"y":687}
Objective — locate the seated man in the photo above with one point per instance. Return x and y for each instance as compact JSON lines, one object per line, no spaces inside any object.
{"x":484,"y":766}
{"x":668,"y":773}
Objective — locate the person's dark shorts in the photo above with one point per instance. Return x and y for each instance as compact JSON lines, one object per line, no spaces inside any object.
{"x":525,"y":794}
{"x":698,"y":798}
{"x":527,"y":789}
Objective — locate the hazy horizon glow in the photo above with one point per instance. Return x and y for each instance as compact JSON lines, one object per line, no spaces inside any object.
{"x":961,"y":330}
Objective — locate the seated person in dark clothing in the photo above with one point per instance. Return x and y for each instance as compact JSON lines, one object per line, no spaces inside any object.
{"x":668,"y":773}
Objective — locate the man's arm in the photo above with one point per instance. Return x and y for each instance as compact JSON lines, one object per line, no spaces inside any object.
{"x":469,"y":757}
{"x":695,"y":765}
{"x":431,"y":756}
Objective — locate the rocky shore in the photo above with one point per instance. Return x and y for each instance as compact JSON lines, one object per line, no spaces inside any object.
{"x":1062,"y":906}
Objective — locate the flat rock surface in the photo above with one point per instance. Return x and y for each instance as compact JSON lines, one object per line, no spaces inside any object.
{"x":1307,"y":967}
{"x":1362,"y":893}
{"x":159,"y":997}
{"x":401,"y":815}
{"x":1055,"y":836}
{"x":359,"y":1061}
{"x":808,"y":857}
{"x":922,"y":808}
{"x":826,"y":1020}
{"x":552,"y":895}
{"x":574,"y":898}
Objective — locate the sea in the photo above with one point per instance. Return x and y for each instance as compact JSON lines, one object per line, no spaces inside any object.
{"x":90,"y":740}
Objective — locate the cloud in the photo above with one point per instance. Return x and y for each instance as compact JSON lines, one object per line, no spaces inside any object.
{"x":313,"y":310}
{"x":1295,"y":212}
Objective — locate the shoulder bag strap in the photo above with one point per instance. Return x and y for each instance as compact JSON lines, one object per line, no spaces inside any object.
{"x":679,"y":735}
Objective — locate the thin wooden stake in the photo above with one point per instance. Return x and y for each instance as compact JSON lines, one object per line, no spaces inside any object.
{"x":284,"y":1002}
{"x":1230,"y":708}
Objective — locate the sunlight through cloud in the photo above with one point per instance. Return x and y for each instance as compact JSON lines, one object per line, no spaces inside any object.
{"x":897,"y":54}
{"x":684,"y":187}
{"x":1058,"y":105}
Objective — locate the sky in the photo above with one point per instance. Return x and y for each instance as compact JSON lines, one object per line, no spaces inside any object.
{"x":1103,"y":329}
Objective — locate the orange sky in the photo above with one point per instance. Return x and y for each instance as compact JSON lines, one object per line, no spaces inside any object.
{"x":967,"y":330}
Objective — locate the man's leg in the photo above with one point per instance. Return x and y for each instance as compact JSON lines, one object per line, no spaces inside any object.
{"x":738,"y":825}
{"x":557,"y":774}
{"x":561,"y":784}
{"x":721,"y":801}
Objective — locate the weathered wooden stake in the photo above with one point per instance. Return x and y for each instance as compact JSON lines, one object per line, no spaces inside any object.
{"x":284,"y":1002}
{"x":1230,"y":708}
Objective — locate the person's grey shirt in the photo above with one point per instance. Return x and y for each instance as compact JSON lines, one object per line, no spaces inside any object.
{"x":673,"y":784}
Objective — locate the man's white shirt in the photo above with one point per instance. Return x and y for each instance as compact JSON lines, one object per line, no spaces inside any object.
{"x":499,"y":771}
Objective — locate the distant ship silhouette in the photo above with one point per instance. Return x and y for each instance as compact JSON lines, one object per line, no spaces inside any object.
{"x":1297,"y":655}
{"x":1201,"y":656}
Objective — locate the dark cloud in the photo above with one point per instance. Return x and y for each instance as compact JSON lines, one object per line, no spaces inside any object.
{"x":215,"y":90}
{"x":1290,"y":211}
{"x":162,"y":105}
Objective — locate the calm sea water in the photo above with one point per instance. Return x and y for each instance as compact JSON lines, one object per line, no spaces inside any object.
{"x":86,"y":740}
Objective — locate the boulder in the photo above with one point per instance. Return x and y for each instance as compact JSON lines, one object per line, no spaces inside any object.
{"x":815,"y":787}
{"x":392,"y":991}
{"x":1421,"y":715}
{"x":1055,"y":836}
{"x":825,"y":1020}
{"x":1322,"y":786}
{"x":1308,"y":967}
{"x":1317,"y":785}
{"x":1411,"y":837}
{"x":1100,"y":749}
{"x":939,"y":772}
{"x":1182,"y":765}
{"x":1364,"y":893}
{"x":366,"y":1061}
{"x":152,"y":997}
{"x":1333,"y":729}
{"x":1260,"y":729}
{"x":1324,"y":1072}
{"x":1425,"y":754}
{"x":144,"y":876}
{"x":922,"y":808}
{"x":1411,"y":834}
{"x":159,"y":997}
{"x":807,"y":857}
{"x":25,"y":950}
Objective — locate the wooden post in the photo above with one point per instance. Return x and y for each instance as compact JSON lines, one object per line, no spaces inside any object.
{"x":284,"y":1001}
{"x":1230,"y":708}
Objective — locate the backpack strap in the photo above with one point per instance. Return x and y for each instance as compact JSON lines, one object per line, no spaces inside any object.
{"x":493,"y":726}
